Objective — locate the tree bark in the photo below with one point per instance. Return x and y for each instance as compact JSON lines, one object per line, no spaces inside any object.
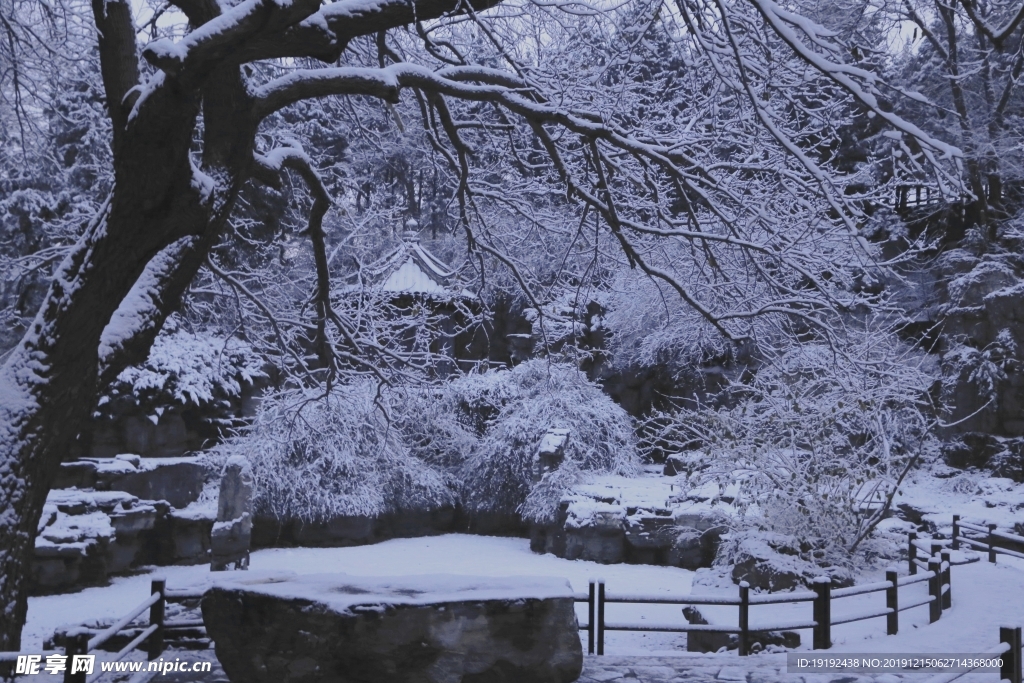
{"x":48,"y":384}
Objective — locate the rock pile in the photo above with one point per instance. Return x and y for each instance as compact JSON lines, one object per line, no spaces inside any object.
{"x":108,"y":516}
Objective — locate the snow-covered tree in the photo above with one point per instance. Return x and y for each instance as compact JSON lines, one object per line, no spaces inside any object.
{"x":963,"y":62}
{"x":819,"y":437}
{"x":730,"y":170}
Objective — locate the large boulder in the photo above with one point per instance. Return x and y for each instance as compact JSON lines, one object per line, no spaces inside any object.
{"x":550,"y":453}
{"x":649,"y":538}
{"x":596,"y":532}
{"x":179,"y":481}
{"x":183,"y":536}
{"x":333,"y":628}
{"x":772,"y":562}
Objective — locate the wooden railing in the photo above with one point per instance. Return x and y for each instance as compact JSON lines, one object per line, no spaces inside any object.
{"x":936,"y":573}
{"x":82,"y":642}
{"x":989,"y":540}
{"x":592,"y":600}
{"x":915,"y":196}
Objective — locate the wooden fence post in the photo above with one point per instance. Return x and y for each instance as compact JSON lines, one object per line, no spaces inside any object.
{"x":1011,"y":668}
{"x":936,"y":548}
{"x":600,"y":618}
{"x":744,"y":618}
{"x":892,"y":601}
{"x":912,"y":552}
{"x":956,"y":532}
{"x":947,"y":580}
{"x":991,"y":544}
{"x":935,"y":590}
{"x":155,"y":643}
{"x":823,"y":613}
{"x":591,"y":616}
{"x":75,"y":643}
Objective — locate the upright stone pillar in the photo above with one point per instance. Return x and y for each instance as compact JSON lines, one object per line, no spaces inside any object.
{"x":233,"y":529}
{"x":550,"y":453}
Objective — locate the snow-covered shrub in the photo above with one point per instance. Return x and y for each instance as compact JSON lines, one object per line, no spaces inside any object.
{"x":316,"y":457}
{"x":471,"y":439}
{"x":480,"y":397}
{"x":984,"y":370}
{"x":435,"y":427}
{"x":185,"y":368}
{"x":532,"y":398}
{"x":773,"y":561}
{"x":821,"y":437}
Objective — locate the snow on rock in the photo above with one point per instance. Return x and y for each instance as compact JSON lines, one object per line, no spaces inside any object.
{"x":86,"y":535}
{"x":649,"y":519}
{"x":179,"y":481}
{"x":76,"y":528}
{"x":585,"y":513}
{"x":426,"y":628}
{"x":932,"y":495}
{"x":118,"y":465}
{"x":648,"y":492}
{"x":199,"y":510}
{"x":774,"y":562}
{"x":348,"y":594}
{"x":75,"y":502}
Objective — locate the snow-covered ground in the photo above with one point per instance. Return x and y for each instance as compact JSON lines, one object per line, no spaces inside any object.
{"x":940,"y":491}
{"x":453,"y":554}
{"x":984,"y":596}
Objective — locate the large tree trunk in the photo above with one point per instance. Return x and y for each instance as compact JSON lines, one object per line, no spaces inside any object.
{"x":48,"y":384}
{"x":111,"y":295}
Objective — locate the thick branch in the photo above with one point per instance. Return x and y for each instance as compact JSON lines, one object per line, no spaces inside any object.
{"x":128,"y":336}
{"x":220,"y":39}
{"x":997,"y":36}
{"x":785,"y":24}
{"x":118,"y":59}
{"x":263,"y":29}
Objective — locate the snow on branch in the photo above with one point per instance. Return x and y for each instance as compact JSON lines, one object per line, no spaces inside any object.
{"x":854,"y":80}
{"x":137,"y":320}
{"x":209,"y":45}
{"x":996,"y":35}
{"x":269,"y":29}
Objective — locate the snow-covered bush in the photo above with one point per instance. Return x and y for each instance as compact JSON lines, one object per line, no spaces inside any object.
{"x":316,"y":457}
{"x":436,"y":428}
{"x":185,"y":368}
{"x":820,"y":438}
{"x":354,"y":452}
{"x":532,"y":398}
